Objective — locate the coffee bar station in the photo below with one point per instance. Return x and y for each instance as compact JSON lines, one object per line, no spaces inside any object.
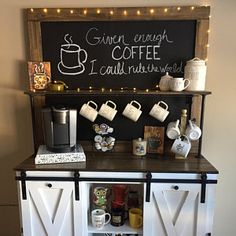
{"x":117,"y":101}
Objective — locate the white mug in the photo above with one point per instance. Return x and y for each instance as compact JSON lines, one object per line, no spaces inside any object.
{"x":159,"y":112}
{"x":193,"y":132}
{"x":179,"y":84}
{"x":181,"y":146}
{"x":99,"y":218}
{"x":131,"y":111}
{"x":173,"y":130}
{"x":88,"y":111}
{"x":107,"y":111}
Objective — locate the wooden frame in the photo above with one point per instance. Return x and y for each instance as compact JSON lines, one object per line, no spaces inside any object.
{"x":37,"y":15}
{"x":199,"y":13}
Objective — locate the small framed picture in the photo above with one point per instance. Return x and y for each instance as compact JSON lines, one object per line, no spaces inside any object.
{"x":155,"y":139}
{"x":39,"y":75}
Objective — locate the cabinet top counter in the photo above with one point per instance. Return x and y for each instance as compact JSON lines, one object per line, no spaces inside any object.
{"x":125,"y":162}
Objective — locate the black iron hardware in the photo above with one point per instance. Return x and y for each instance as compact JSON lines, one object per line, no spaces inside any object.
{"x":176,"y":187}
{"x":76,"y":178}
{"x":49,"y":185}
{"x":148,"y":186}
{"x":23,"y":185}
{"x":203,"y":187}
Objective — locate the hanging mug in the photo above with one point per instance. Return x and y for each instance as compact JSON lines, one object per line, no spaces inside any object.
{"x":181,"y":146}
{"x":108,"y":111}
{"x":193,"y":132}
{"x":88,"y":111}
{"x":159,"y":111}
{"x":133,"y":112}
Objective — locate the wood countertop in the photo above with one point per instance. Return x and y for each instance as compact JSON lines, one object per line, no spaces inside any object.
{"x":125,"y":162}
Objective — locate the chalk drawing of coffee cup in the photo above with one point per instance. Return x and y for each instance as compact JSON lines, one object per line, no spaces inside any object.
{"x":72,"y":58}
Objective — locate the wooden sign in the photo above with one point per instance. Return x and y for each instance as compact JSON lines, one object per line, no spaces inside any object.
{"x":155,"y":139}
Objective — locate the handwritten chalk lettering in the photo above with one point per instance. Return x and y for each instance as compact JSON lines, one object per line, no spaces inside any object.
{"x":147,"y":52}
{"x":92,"y":72}
{"x":157,"y":38}
{"x":95,"y":37}
{"x":121,"y":68}
{"x":113,"y":70}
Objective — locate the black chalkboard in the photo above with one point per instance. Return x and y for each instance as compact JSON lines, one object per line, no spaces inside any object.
{"x":114,"y":54}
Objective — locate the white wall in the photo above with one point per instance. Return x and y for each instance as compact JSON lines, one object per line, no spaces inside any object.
{"x":219,"y":144}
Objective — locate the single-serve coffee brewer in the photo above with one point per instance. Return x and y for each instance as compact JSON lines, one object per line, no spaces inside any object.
{"x":60,"y":125}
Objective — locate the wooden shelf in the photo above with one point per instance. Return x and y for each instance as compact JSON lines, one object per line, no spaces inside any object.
{"x":116,"y":92}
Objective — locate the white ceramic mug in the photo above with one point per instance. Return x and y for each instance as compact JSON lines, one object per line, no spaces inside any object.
{"x":88,"y":111}
{"x":107,"y":111}
{"x":193,"y":132}
{"x":181,"y":146}
{"x":99,"y":218}
{"x":159,"y":111}
{"x":132,"y":112}
{"x":173,"y":130}
{"x":179,"y":84}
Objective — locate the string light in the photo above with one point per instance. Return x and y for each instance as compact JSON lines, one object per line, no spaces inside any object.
{"x":85,"y":12}
{"x":192,"y":8}
{"x":110,"y":90}
{"x":134,"y":89}
{"x":111,"y":12}
{"x":208,"y":31}
{"x":125,"y":12}
{"x":31,"y":9}
{"x":103,"y":89}
{"x":90,"y":87}
{"x":121,"y":89}
{"x":71,"y":11}
{"x":78,"y":89}
{"x":98,"y":11}
{"x":138,"y":12}
{"x":147,"y":90}
{"x":178,"y":8}
{"x":165,"y":10}
{"x":45,"y":10}
{"x":58,"y":10}
{"x":207,"y":45}
{"x":151,"y":11}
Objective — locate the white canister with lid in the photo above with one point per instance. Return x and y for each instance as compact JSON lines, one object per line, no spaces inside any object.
{"x":195,"y":71}
{"x":164,"y":84}
{"x":139,"y":147}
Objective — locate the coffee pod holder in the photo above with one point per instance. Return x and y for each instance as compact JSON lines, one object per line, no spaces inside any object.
{"x":102,"y":140}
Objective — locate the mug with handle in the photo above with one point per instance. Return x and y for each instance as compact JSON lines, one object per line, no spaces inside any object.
{"x":133,"y":112}
{"x":99,"y":218}
{"x":108,"y":111}
{"x":159,"y":111}
{"x":181,"y":146}
{"x":179,"y":84}
{"x":135,"y":217}
{"x":88,"y":111}
{"x":193,"y":132}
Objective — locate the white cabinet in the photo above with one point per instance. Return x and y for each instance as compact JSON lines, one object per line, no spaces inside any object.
{"x":50,"y":209}
{"x":179,"y":209}
{"x":173,"y":204}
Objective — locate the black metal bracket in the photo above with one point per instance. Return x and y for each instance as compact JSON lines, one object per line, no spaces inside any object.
{"x":76,"y":179}
{"x":203,"y":187}
{"x":23,"y":185}
{"x":148,"y":186}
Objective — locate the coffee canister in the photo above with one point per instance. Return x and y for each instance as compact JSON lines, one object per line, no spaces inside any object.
{"x":195,"y":71}
{"x":139,"y":147}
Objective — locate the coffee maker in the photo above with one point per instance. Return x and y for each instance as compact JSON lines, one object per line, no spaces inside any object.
{"x":60,"y":126}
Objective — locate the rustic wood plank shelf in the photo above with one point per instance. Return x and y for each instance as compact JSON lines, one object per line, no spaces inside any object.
{"x":126,"y":162}
{"x":117,"y":92}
